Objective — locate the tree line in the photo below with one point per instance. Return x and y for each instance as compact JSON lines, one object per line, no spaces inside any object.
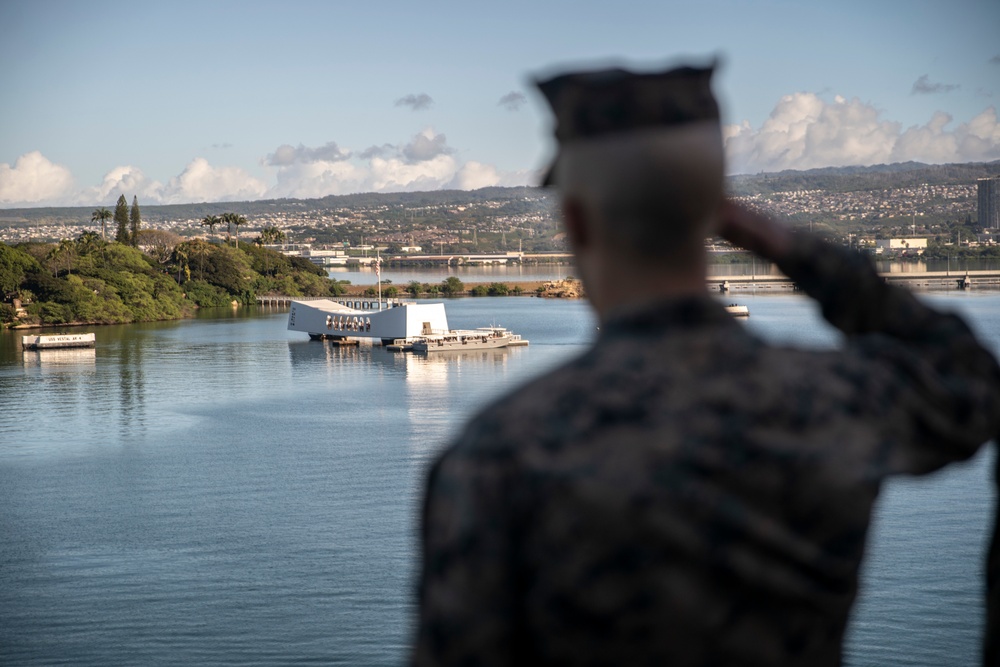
{"x":127,"y":221}
{"x":146,"y":274}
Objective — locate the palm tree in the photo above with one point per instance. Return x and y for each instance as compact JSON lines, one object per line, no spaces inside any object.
{"x":211,"y":221}
{"x":101,"y":215}
{"x":271,"y":235}
{"x":238,"y":220}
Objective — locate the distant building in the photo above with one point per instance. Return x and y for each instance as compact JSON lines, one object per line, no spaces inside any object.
{"x":902,"y":246}
{"x":989,"y":202}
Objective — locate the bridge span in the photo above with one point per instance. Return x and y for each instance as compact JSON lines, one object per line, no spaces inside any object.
{"x":912,"y":279}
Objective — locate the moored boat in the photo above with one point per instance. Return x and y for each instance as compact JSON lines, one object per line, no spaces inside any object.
{"x":737,"y":310}
{"x":483,"y":338}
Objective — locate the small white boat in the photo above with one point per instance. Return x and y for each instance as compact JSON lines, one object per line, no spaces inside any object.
{"x":483,"y":338}
{"x":737,"y":310}
{"x":57,"y":341}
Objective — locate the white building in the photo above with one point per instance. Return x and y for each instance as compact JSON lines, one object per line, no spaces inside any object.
{"x":903,"y":246}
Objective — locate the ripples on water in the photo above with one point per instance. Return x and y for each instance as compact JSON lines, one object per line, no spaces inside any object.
{"x":221,"y":491}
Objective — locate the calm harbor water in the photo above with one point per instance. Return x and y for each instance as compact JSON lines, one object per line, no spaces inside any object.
{"x":222,"y":491}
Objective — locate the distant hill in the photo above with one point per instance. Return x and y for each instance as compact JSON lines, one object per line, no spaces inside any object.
{"x":153,"y":213}
{"x":852,"y":179}
{"x":831,"y":179}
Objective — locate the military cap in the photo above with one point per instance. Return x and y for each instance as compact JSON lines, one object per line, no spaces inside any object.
{"x":601,"y":102}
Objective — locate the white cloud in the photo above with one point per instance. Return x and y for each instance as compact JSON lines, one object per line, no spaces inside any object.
{"x":474,"y":175}
{"x":200,"y":181}
{"x":806,"y":132}
{"x":34,"y":180}
{"x":425,"y":162}
{"x":120,"y":180}
{"x":318,"y":179}
{"x":426,"y":146}
{"x":285,"y":154}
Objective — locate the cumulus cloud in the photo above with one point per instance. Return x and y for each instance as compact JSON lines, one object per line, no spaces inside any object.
{"x":285,"y":154}
{"x":425,"y":162}
{"x":34,"y":179}
{"x":426,"y":146}
{"x":416,"y":102}
{"x":806,"y":132}
{"x":200,"y":181}
{"x":923,"y":86}
{"x":377,"y":151}
{"x":512,"y":101}
{"x":117,"y":181}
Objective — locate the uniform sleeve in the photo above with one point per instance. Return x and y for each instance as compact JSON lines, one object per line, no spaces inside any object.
{"x":468,"y":610}
{"x":934,"y":388}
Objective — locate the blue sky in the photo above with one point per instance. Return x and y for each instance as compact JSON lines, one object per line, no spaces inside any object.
{"x":195,"y":101}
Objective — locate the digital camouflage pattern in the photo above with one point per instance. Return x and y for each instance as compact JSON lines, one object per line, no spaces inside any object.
{"x":686,"y":494}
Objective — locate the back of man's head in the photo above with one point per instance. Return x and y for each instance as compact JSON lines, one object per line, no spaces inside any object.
{"x":642,"y":155}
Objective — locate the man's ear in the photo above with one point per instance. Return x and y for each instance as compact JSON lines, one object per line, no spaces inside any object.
{"x":575,"y":220}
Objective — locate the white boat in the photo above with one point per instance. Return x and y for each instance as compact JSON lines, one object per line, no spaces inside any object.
{"x":483,"y":338}
{"x":737,"y":310}
{"x":58,"y":341}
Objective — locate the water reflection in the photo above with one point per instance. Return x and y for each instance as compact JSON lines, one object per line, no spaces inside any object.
{"x":60,"y":360}
{"x":436,"y":388}
{"x":131,"y":387}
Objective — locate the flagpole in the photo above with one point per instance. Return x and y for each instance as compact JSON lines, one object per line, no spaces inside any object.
{"x":378,"y":275}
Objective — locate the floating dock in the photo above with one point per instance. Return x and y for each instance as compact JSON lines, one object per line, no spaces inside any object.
{"x":57,"y":341}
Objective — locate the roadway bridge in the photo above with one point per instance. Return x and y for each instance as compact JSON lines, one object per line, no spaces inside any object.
{"x":913,"y":279}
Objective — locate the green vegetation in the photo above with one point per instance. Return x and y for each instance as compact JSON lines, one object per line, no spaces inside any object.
{"x":101,"y":216}
{"x":135,"y":221}
{"x":495,"y":289}
{"x":92,"y":281}
{"x":121,"y":221}
{"x":452,"y":286}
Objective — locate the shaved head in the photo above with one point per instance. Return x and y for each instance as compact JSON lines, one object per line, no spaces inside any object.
{"x":647,"y":194}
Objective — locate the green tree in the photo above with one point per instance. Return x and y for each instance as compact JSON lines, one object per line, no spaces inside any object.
{"x":211,"y":221}
{"x":121,"y":221}
{"x":271,"y":235}
{"x":227,"y":220}
{"x":62,"y":255}
{"x":237,"y":221}
{"x":452,"y":286}
{"x":101,"y":216}
{"x":135,"y":221}
{"x":414,"y":288}
{"x":15,"y":264}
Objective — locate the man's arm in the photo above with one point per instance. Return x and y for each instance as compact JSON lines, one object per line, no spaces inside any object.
{"x":468,"y":612}
{"x":938,"y":388}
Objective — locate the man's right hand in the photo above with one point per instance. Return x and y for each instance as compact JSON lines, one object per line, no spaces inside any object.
{"x":758,"y":233}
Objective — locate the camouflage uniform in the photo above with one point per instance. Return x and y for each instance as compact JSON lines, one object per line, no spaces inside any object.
{"x":686,"y":494}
